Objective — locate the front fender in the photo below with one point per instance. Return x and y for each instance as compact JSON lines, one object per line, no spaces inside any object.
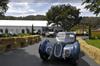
{"x":77,"y":47}
{"x":74,"y":50}
{"x":42,"y":46}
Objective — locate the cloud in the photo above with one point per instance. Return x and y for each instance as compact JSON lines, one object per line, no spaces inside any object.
{"x":25,"y":8}
{"x":16,"y":9}
{"x":47,"y":1}
{"x":77,"y":5}
{"x":87,"y":14}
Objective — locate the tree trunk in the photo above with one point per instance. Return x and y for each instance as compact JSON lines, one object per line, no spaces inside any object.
{"x":90,"y":35}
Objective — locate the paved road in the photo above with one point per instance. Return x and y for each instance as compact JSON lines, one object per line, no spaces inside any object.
{"x":29,"y":56}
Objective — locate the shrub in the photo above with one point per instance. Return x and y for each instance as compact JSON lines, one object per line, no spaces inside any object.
{"x":2,"y":48}
{"x":23,"y":35}
{"x":7,"y":41}
{"x":10,"y":43}
{"x":8,"y":47}
{"x":21,"y":41}
{"x":4,"y":35}
{"x":16,"y":45}
{"x":96,"y":34}
{"x":29,"y":39}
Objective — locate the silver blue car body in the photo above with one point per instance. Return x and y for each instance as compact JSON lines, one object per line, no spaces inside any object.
{"x":65,"y":47}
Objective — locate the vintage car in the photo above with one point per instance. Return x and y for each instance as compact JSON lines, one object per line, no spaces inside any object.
{"x":66,"y":47}
{"x":50,"y":34}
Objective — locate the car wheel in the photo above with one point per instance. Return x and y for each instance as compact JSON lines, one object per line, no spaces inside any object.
{"x":43,"y":56}
{"x":74,"y":62}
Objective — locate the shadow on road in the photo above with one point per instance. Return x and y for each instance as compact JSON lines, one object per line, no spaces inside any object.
{"x":58,"y":63}
{"x":21,"y":58}
{"x":81,"y":61}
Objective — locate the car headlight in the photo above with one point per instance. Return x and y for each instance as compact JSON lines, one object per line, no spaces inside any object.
{"x":66,"y":52}
{"x":49,"y":50}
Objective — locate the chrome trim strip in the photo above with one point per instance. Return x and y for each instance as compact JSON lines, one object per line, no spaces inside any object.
{"x":60,"y":51}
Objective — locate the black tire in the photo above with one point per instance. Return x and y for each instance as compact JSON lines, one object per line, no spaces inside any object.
{"x":43,"y":56}
{"x":74,"y":62}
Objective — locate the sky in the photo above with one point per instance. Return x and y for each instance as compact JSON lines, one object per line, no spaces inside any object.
{"x":40,"y":7}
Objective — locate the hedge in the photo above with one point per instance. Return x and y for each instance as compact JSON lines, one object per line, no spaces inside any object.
{"x":90,"y":50}
{"x":96,"y":34}
{"x":2,"y":48}
{"x":10,"y":43}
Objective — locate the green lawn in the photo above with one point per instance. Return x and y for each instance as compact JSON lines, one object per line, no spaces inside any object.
{"x":94,"y":42}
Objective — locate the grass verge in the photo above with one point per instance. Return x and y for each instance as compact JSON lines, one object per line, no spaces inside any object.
{"x":94,"y":42}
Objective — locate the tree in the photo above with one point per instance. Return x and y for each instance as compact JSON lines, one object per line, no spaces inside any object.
{"x":92,"y":23}
{"x":32,"y":29}
{"x":6,"y":30}
{"x":1,"y":30}
{"x":27,"y":30}
{"x":23,"y":31}
{"x":3,"y":6}
{"x":93,"y":6}
{"x":64,"y":15}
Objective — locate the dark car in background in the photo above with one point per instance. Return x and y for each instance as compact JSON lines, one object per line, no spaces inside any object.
{"x":50,"y":34}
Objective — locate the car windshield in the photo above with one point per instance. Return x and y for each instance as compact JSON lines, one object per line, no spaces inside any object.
{"x":64,"y":37}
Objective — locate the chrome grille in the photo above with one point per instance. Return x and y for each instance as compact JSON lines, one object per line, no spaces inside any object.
{"x":57,"y":50}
